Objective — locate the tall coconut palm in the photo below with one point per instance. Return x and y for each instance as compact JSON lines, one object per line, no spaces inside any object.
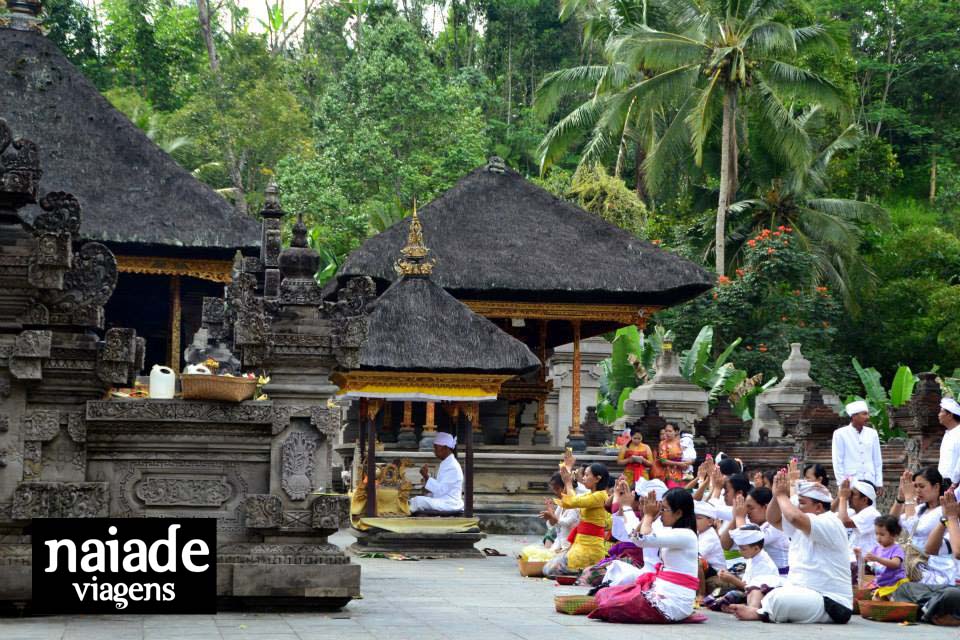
{"x":719,"y":54}
{"x":830,"y":228}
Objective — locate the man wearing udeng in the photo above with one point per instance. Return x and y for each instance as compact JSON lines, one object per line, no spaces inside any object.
{"x":446,"y":489}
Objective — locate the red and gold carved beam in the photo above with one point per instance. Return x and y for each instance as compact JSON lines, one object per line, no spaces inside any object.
{"x":213,"y":270}
{"x":618,"y":313}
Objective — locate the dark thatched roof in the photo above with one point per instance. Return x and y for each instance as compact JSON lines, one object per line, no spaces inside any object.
{"x":497,"y":236}
{"x":130,"y":190}
{"x":417,"y":326}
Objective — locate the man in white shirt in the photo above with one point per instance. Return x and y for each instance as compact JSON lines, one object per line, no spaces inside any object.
{"x":818,"y":588}
{"x":447,"y":488}
{"x":861,"y":496}
{"x":856,"y":448}
{"x":949,"y":466}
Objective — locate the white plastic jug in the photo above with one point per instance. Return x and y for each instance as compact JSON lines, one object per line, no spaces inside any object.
{"x":163,"y":382}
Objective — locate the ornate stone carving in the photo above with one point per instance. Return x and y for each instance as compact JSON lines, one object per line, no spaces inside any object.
{"x":331,"y":512}
{"x":4,"y":424}
{"x":297,"y":520}
{"x":117,"y":361}
{"x":157,"y":490}
{"x":280,"y":553}
{"x":19,"y":170}
{"x":61,"y":214}
{"x":348,"y":314}
{"x":77,"y":427}
{"x":41,"y":425}
{"x":32,"y":459}
{"x":326,"y":420}
{"x":181,"y":411}
{"x":297,"y":461}
{"x":86,"y":287}
{"x":4,"y":387}
{"x":60,"y":500}
{"x":263,"y":511}
{"x":29,"y":349}
{"x":36,"y":315}
{"x":246,"y":313}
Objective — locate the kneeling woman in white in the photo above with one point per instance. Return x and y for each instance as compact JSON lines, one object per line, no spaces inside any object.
{"x":667,"y":594}
{"x":447,"y":488}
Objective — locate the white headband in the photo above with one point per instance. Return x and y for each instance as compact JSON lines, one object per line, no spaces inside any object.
{"x":746,"y":536}
{"x":704,"y":509}
{"x":857,"y":406}
{"x":643,"y":487}
{"x":950,"y":405}
{"x":445,"y":439}
{"x":814,"y":491}
{"x":866,"y":489}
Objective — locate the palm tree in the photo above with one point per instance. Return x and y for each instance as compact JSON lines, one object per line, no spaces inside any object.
{"x":829,"y":228}
{"x":720,"y":53}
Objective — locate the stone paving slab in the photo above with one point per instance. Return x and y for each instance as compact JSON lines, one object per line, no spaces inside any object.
{"x":439,"y":600}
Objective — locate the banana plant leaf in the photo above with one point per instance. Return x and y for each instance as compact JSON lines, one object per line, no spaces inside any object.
{"x":624,"y":396}
{"x":872,"y":384}
{"x":746,"y":406}
{"x":902,"y":388}
{"x":693,"y":361}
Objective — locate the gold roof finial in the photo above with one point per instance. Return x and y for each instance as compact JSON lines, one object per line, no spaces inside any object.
{"x":413,"y":261}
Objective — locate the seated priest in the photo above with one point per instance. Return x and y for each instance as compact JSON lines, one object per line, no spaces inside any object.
{"x":447,"y":488}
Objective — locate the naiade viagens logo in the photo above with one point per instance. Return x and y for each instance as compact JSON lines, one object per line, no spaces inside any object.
{"x":128,"y":566}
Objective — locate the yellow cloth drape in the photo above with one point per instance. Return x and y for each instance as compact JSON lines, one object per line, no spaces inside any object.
{"x":587,"y":550}
{"x":419,"y":525}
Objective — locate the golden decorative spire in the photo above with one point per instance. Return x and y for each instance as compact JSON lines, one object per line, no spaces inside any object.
{"x":414,"y":254}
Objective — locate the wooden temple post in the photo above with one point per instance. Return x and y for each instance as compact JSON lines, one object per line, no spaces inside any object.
{"x":575,"y":439}
{"x":176,"y":312}
{"x":429,"y":427}
{"x":575,"y":403}
{"x":512,"y":436}
{"x":541,"y":435}
{"x":387,"y":434}
{"x":373,"y":407}
{"x":406,"y":437}
{"x":476,"y":432}
{"x":468,"y":471}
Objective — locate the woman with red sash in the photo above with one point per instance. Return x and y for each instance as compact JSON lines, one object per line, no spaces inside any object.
{"x":586,"y":540}
{"x":636,"y":458}
{"x":667,"y":594}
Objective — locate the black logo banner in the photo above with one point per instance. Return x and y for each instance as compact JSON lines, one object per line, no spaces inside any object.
{"x":125,"y":565}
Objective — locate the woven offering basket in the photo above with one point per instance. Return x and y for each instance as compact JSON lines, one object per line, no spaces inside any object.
{"x":530,"y":569}
{"x":575,"y":605}
{"x":222,"y":388}
{"x":860,"y":593}
{"x":887,"y":611}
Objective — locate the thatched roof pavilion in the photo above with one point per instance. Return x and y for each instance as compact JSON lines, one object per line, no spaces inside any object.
{"x":161,"y":222}
{"x":544,"y":269}
{"x":425,"y":345}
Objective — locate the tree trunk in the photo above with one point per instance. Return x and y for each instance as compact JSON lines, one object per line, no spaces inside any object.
{"x":236,"y":177}
{"x":728,"y":161}
{"x":509,"y":76}
{"x":933,"y":178}
{"x":639,"y":174}
{"x":203,"y":10}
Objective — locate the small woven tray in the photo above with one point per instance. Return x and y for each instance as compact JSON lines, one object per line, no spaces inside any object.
{"x":888,"y":611}
{"x":223,"y":388}
{"x":575,"y":605}
{"x":530,"y":569}
{"x":860,"y":593}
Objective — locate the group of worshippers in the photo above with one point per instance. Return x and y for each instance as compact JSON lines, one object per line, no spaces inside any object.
{"x":650,"y":544}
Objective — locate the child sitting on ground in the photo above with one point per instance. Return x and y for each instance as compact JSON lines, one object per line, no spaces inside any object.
{"x":887,"y":558}
{"x":760,"y":577}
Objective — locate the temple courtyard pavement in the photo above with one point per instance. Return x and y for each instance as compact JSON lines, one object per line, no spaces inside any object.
{"x":435,"y":600}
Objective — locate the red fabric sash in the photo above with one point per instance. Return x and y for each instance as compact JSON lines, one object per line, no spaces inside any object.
{"x":681,"y":579}
{"x":587,"y":529}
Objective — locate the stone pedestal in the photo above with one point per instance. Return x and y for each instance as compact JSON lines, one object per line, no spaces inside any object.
{"x":559,"y":406}
{"x":677,"y":400}
{"x":781,"y":403}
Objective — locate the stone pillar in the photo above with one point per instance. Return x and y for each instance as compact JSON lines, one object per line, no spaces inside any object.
{"x":542,"y":434}
{"x":559,"y":408}
{"x":407,"y":438}
{"x":429,"y":431}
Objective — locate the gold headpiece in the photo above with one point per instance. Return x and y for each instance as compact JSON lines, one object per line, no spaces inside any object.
{"x":414,"y":262}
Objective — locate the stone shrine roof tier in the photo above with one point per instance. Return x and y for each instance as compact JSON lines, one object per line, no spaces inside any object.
{"x":132,"y":192}
{"x":498,"y":237}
